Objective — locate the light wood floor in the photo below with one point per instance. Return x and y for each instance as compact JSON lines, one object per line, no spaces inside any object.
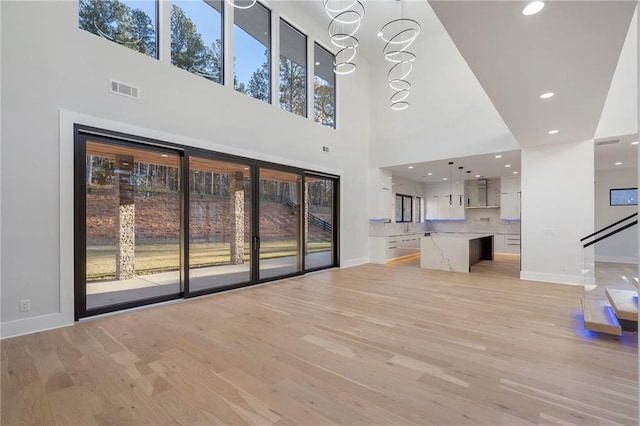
{"x":373,"y":344}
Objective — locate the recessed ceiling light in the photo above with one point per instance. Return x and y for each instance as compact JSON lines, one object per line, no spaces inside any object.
{"x":547,"y":95}
{"x":410,"y":167}
{"x":477,"y":175}
{"x":507,"y":165}
{"x":498,"y":156}
{"x":444,"y":178}
{"x":246,"y":168}
{"x":164,"y":155}
{"x":634,"y":143}
{"x":533,"y":8}
{"x":388,"y":177}
{"x":317,"y":63}
{"x":380,"y":34}
{"x":618,"y":163}
{"x":515,"y":173}
{"x":429,"y":174}
{"x":553,"y":132}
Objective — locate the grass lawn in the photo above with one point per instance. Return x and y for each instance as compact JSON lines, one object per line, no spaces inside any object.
{"x":154,"y":258}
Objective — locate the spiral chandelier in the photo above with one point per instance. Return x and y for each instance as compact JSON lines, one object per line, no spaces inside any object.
{"x":399,"y":35}
{"x":242,"y":4}
{"x":346,"y":18}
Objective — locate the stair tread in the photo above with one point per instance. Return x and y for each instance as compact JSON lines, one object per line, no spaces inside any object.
{"x":624,"y":303}
{"x":599,"y":316}
{"x":634,"y":281}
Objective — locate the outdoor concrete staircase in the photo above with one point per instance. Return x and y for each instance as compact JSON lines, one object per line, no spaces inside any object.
{"x":619,"y":312}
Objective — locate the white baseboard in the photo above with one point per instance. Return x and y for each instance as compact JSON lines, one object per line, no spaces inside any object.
{"x":578,"y":280}
{"x":32,"y":325}
{"x":354,"y":262}
{"x":617,"y":259}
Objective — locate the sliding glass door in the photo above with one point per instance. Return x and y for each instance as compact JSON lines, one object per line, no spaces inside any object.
{"x":155,"y":221}
{"x":131,"y":226}
{"x":220,"y":232}
{"x":279,"y":239}
{"x":320,"y":197}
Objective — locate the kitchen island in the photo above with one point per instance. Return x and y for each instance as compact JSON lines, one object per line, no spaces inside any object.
{"x":455,"y":252}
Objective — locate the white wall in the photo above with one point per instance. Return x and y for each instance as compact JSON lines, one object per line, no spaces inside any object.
{"x":407,"y":187}
{"x":0,"y":162}
{"x":557,"y":210}
{"x":620,"y":112}
{"x":622,"y":247}
{"x":450,"y":115}
{"x":55,"y":74}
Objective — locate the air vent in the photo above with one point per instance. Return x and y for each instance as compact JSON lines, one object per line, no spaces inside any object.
{"x":124,"y":89}
{"x":607,"y":142}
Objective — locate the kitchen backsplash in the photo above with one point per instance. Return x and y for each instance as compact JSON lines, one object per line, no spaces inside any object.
{"x":478,"y":220}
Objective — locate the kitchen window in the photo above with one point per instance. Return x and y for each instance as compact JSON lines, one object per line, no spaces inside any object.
{"x":404,"y":208}
{"x":623,"y":197}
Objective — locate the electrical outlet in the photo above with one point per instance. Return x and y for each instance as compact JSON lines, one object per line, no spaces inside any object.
{"x":25,"y":305}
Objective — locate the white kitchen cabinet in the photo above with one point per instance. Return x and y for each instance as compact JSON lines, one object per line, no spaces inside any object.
{"x":456,"y":209}
{"x":498,"y":243}
{"x":445,"y":202}
{"x":512,"y":243}
{"x":506,"y":243}
{"x":382,"y":249}
{"x":380,"y":186}
{"x":431,"y":211}
{"x":471,"y":193}
{"x":510,"y":198}
{"x":485,"y":195}
{"x":402,"y":245}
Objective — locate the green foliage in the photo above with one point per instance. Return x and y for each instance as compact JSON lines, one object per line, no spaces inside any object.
{"x":115,"y":21}
{"x":324,"y":102}
{"x":259,"y":85}
{"x":292,"y":86}
{"x":188,"y":50}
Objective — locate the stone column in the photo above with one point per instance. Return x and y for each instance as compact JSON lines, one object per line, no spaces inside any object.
{"x":126,"y":235}
{"x":236,"y":193}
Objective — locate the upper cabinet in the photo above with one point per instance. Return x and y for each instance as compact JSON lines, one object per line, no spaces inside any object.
{"x":445,"y":201}
{"x":380,"y":189}
{"x":482,"y":193}
{"x":510,"y":198}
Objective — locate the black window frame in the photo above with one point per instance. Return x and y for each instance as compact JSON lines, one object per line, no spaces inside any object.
{"x":612,"y":190}
{"x":404,"y":208}
{"x":317,"y":45}
{"x":156,"y":23}
{"x":84,"y":132}
{"x":270,"y":58}
{"x":295,"y":29}
{"x":222,"y":35}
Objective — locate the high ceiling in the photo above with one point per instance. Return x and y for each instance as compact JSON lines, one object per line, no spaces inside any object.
{"x":479,"y":166}
{"x":570,"y":48}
